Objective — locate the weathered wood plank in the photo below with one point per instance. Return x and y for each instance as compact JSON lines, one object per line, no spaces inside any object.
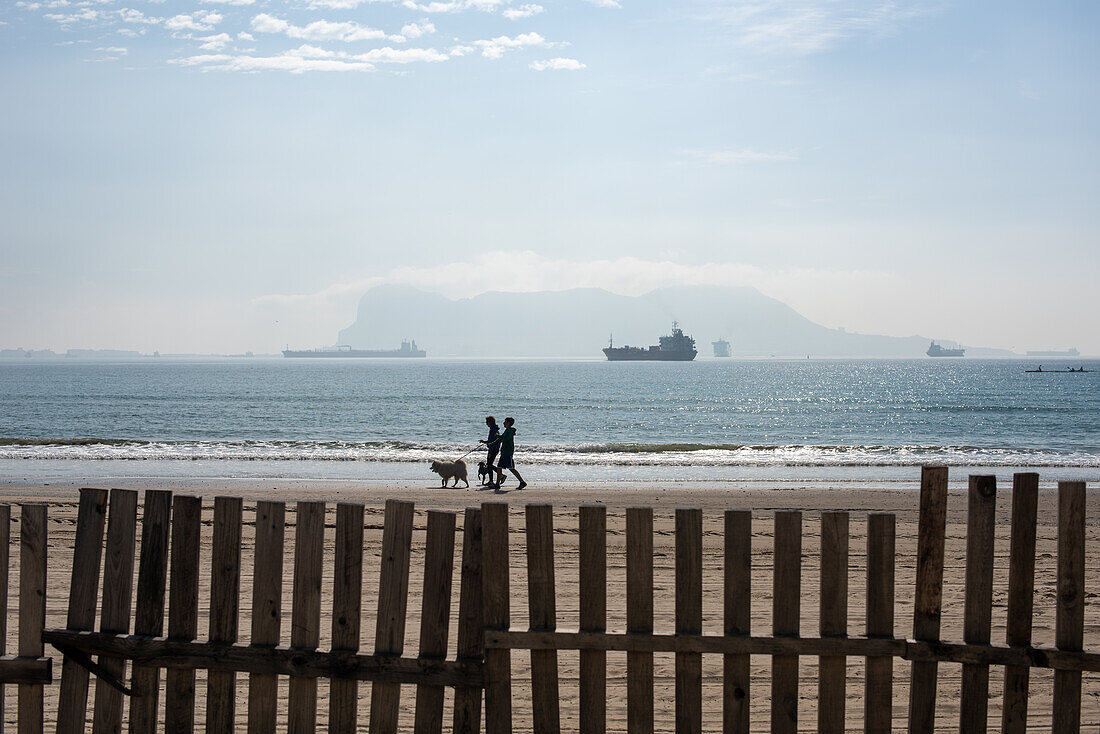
{"x":393,"y":592}
{"x":305,"y":622}
{"x":786,"y":610}
{"x":225,"y":587}
{"x":183,"y":610}
{"x":978,"y":605}
{"x":1070,"y":616}
{"x":33,"y":543}
{"x":16,"y":669}
{"x":5,"y":540}
{"x":593,"y":617}
{"x":149,"y":613}
{"x":471,"y":647}
{"x":435,"y":614}
{"x":1021,"y":592}
{"x":543,"y":616}
{"x":928,"y":595}
{"x":72,"y":699}
{"x":689,"y":618}
{"x":118,"y":582}
{"x":878,"y":690}
{"x":495,"y":606}
{"x":347,"y":613}
{"x":267,"y":611}
{"x":833,"y":620}
{"x":243,"y":658}
{"x":639,"y":618}
{"x":737,"y":616}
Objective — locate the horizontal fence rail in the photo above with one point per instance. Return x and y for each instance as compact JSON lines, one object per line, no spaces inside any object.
{"x":142,"y":643}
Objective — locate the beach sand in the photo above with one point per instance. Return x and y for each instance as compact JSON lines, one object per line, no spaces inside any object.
{"x":664,"y":497}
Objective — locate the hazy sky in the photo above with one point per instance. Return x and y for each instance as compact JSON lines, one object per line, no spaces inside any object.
{"x":221,"y":176}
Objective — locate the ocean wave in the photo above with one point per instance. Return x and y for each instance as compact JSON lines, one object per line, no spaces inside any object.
{"x":611,"y":454}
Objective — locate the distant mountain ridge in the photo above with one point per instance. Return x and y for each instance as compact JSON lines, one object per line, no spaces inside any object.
{"x":578,"y":323}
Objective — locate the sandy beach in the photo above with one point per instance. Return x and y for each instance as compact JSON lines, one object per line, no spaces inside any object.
{"x":712,"y":498}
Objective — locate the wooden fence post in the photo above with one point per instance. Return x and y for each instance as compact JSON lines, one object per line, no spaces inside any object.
{"x":737,"y":615}
{"x":393,"y":590}
{"x":593,"y":616}
{"x":33,"y":543}
{"x":786,"y":619}
{"x":267,"y":611}
{"x":435,"y":615}
{"x":689,"y":619}
{"x":149,"y":614}
{"x":978,"y":607}
{"x":305,"y":623}
{"x":1021,"y":592}
{"x":1070,"y":618}
{"x":639,"y":618}
{"x":347,"y":613}
{"x":471,"y":643}
{"x":878,"y":696}
{"x":495,"y":608}
{"x":928,"y":595}
{"x":183,"y":611}
{"x":118,"y":581}
{"x":72,"y":701}
{"x":543,"y":617}
{"x":5,"y":539}
{"x":225,"y":587}
{"x":833,"y":620}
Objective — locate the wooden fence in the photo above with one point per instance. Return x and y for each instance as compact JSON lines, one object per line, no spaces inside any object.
{"x":168,"y":577}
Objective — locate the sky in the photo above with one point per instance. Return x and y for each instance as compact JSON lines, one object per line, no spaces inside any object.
{"x":205,"y":176}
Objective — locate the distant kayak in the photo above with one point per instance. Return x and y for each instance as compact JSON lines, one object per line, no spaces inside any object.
{"x":1059,"y":372}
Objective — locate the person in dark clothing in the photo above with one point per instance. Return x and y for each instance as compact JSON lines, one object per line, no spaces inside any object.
{"x":492,"y":445}
{"x":507,"y":441}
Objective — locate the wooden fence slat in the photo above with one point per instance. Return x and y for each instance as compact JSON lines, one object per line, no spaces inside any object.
{"x":305,"y":622}
{"x":435,"y":619}
{"x":495,"y":606}
{"x":471,"y":644}
{"x":786,"y":598}
{"x":118,"y":581}
{"x":149,"y":613}
{"x":543,"y":616}
{"x":833,"y":620}
{"x":593,"y":617}
{"x":72,"y":699}
{"x":183,"y":610}
{"x":393,"y":590}
{"x":639,"y":618}
{"x":737,"y":616}
{"x":347,"y":613}
{"x":928,"y":595}
{"x":267,"y":611}
{"x":878,"y":690}
{"x":225,"y":587}
{"x":689,"y":618}
{"x":1021,"y":591}
{"x":1070,"y":616}
{"x":978,"y":605}
{"x":5,"y":539}
{"x":33,"y":543}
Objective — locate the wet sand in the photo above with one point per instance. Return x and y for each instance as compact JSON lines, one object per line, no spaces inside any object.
{"x":664,"y":497}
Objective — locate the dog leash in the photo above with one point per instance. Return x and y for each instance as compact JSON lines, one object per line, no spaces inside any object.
{"x":475,"y":448}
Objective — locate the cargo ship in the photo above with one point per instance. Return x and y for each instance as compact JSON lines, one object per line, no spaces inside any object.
{"x":408,"y":349}
{"x":676,"y":347}
{"x":935,"y":350}
{"x":721,"y":348}
{"x":1053,"y":353}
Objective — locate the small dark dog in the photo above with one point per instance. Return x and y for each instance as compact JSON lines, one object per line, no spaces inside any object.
{"x":484,"y":473}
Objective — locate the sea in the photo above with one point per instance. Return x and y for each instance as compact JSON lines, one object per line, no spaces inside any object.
{"x":768,"y":421}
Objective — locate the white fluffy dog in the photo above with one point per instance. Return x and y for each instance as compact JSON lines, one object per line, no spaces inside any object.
{"x":451,"y":470}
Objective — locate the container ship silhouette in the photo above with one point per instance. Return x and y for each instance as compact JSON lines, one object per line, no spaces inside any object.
{"x":408,"y":349}
{"x":935,"y":350}
{"x":676,"y":347}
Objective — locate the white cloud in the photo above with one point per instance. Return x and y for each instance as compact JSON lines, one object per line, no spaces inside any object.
{"x":243,"y":36}
{"x":319,"y":30}
{"x":523,"y":11}
{"x":228,"y":2}
{"x":416,"y":30}
{"x":201,"y":20}
{"x":558,"y":64}
{"x":461,"y":50}
{"x":112,"y":51}
{"x":312,"y":58}
{"x":389,"y":55}
{"x":129,"y":15}
{"x":732,"y":157}
{"x":86,"y":15}
{"x":605,"y":3}
{"x":216,"y":42}
{"x":494,"y":48}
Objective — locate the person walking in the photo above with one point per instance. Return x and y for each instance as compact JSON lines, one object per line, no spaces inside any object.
{"x":507,"y":441}
{"x":493,"y":446}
